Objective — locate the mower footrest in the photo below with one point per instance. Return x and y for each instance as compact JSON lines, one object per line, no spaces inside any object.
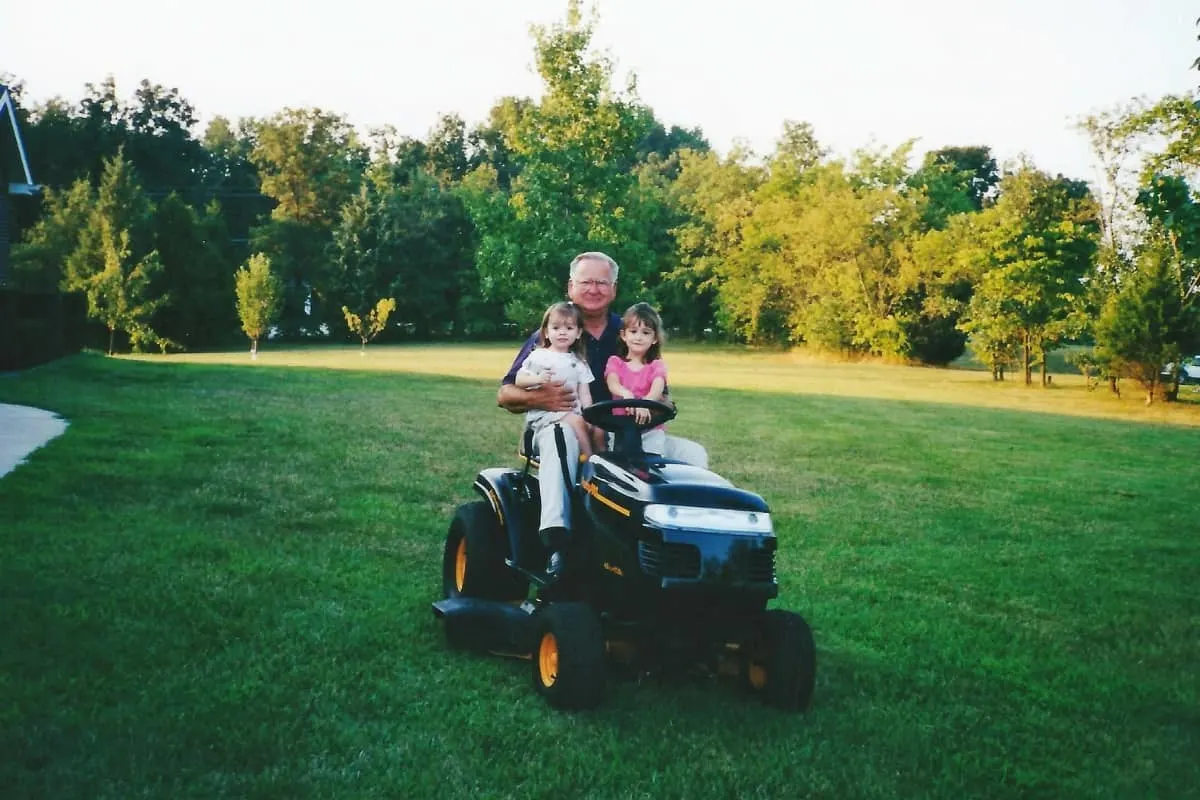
{"x":489,"y":624}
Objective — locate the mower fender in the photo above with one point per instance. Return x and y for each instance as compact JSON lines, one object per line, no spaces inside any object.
{"x":503,"y":490}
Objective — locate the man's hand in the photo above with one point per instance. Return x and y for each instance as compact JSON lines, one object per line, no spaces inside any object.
{"x":549,"y":396}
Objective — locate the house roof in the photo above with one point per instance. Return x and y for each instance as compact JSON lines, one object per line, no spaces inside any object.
{"x":14,"y":164}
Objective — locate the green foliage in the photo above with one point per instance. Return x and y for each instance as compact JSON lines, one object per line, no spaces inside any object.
{"x":407,"y":235}
{"x":955,"y":180}
{"x":196,"y":274}
{"x":39,"y":259}
{"x":1175,"y":120}
{"x":311,"y":163}
{"x":111,"y":257}
{"x":470,"y":230}
{"x":120,"y":294}
{"x":153,"y":129}
{"x":1037,"y":244}
{"x":714,"y":196}
{"x":1151,"y":318}
{"x":259,"y":298}
{"x":574,"y":191}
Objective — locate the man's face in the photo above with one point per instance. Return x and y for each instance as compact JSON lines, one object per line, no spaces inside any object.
{"x":592,"y":288}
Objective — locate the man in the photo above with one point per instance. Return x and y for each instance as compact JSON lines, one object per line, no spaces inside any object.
{"x":592,"y":286}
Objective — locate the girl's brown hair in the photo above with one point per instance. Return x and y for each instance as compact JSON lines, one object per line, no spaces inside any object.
{"x":568,"y":310}
{"x":645,"y":314}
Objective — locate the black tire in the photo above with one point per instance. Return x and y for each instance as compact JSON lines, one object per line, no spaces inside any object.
{"x":781,"y":661}
{"x":568,"y":656}
{"x":473,"y":559}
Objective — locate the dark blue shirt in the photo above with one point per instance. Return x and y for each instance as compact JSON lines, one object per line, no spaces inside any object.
{"x":598,"y":352}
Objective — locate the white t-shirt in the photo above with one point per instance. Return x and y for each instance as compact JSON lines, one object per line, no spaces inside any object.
{"x":565,"y":367}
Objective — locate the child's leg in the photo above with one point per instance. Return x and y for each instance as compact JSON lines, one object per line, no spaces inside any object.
{"x":599,"y":440}
{"x":576,"y":423}
{"x":654,"y":441}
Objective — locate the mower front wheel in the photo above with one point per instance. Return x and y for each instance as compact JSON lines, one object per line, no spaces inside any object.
{"x":473,"y":559}
{"x":781,"y":661}
{"x":568,"y":658}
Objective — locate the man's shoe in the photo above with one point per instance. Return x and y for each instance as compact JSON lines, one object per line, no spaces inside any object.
{"x":554,"y":567}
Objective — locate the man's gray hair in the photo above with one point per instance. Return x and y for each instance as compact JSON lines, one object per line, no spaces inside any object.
{"x":597,"y":256}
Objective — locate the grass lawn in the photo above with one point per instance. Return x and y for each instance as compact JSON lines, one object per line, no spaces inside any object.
{"x":217,"y":583}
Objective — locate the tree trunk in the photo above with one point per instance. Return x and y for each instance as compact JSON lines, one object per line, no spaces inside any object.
{"x":1027,"y":361}
{"x":1113,"y":385}
{"x":112,"y":334}
{"x":1045,"y":376}
{"x":254,"y":349}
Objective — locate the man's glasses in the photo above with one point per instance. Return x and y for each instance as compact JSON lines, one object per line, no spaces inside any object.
{"x":593,"y":284}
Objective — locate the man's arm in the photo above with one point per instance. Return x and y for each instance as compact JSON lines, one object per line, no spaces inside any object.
{"x":552,"y":396}
{"x":549,"y":396}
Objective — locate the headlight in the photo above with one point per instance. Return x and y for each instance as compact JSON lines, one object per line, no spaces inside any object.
{"x":719,"y":520}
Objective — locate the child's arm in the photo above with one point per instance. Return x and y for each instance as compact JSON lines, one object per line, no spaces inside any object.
{"x":584,"y":393}
{"x":526,"y":379}
{"x":531,"y":373}
{"x":656,"y":388}
{"x":616,"y":387}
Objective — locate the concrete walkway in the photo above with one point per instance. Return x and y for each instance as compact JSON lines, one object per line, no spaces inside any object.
{"x":22,"y":430}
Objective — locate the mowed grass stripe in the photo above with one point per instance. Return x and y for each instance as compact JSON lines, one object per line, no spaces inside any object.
{"x":216,"y":583}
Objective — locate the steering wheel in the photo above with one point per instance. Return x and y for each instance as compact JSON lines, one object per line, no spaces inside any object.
{"x":626,"y":431}
{"x":601,"y":414}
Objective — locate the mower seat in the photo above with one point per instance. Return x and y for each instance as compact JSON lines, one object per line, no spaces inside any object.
{"x":525,"y":450}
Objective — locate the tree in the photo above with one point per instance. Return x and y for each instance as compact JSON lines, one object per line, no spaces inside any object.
{"x":120,"y":294}
{"x":369,"y":326}
{"x":113,"y":260}
{"x":574,"y":191}
{"x":196,"y":273}
{"x":159,"y":139}
{"x":310,"y":163}
{"x":1149,"y":317}
{"x":153,"y":129}
{"x":955,"y":180}
{"x":715,"y":197}
{"x":1144,"y":292}
{"x":120,"y":205}
{"x":1039,"y":240}
{"x":993,"y":323}
{"x":259,"y":298}
{"x":39,"y":259}
{"x":489,"y":143}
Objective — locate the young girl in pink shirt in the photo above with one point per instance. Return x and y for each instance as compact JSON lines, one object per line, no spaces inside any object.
{"x":638,"y":371}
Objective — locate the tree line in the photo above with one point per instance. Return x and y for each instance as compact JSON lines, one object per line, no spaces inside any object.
{"x":466,"y":233}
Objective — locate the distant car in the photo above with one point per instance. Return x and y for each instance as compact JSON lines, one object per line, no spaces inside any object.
{"x":1191,"y":370}
{"x":1188,"y":373}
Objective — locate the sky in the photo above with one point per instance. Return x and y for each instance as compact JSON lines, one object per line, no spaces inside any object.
{"x":1010,"y":74}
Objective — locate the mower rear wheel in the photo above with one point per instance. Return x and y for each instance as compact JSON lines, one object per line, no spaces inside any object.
{"x":781,"y":661}
{"x":473,"y":559}
{"x":568,"y":657}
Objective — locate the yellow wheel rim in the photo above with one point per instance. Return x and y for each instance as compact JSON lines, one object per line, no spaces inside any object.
{"x":548,"y":660}
{"x":757,"y":675}
{"x":460,"y":564}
